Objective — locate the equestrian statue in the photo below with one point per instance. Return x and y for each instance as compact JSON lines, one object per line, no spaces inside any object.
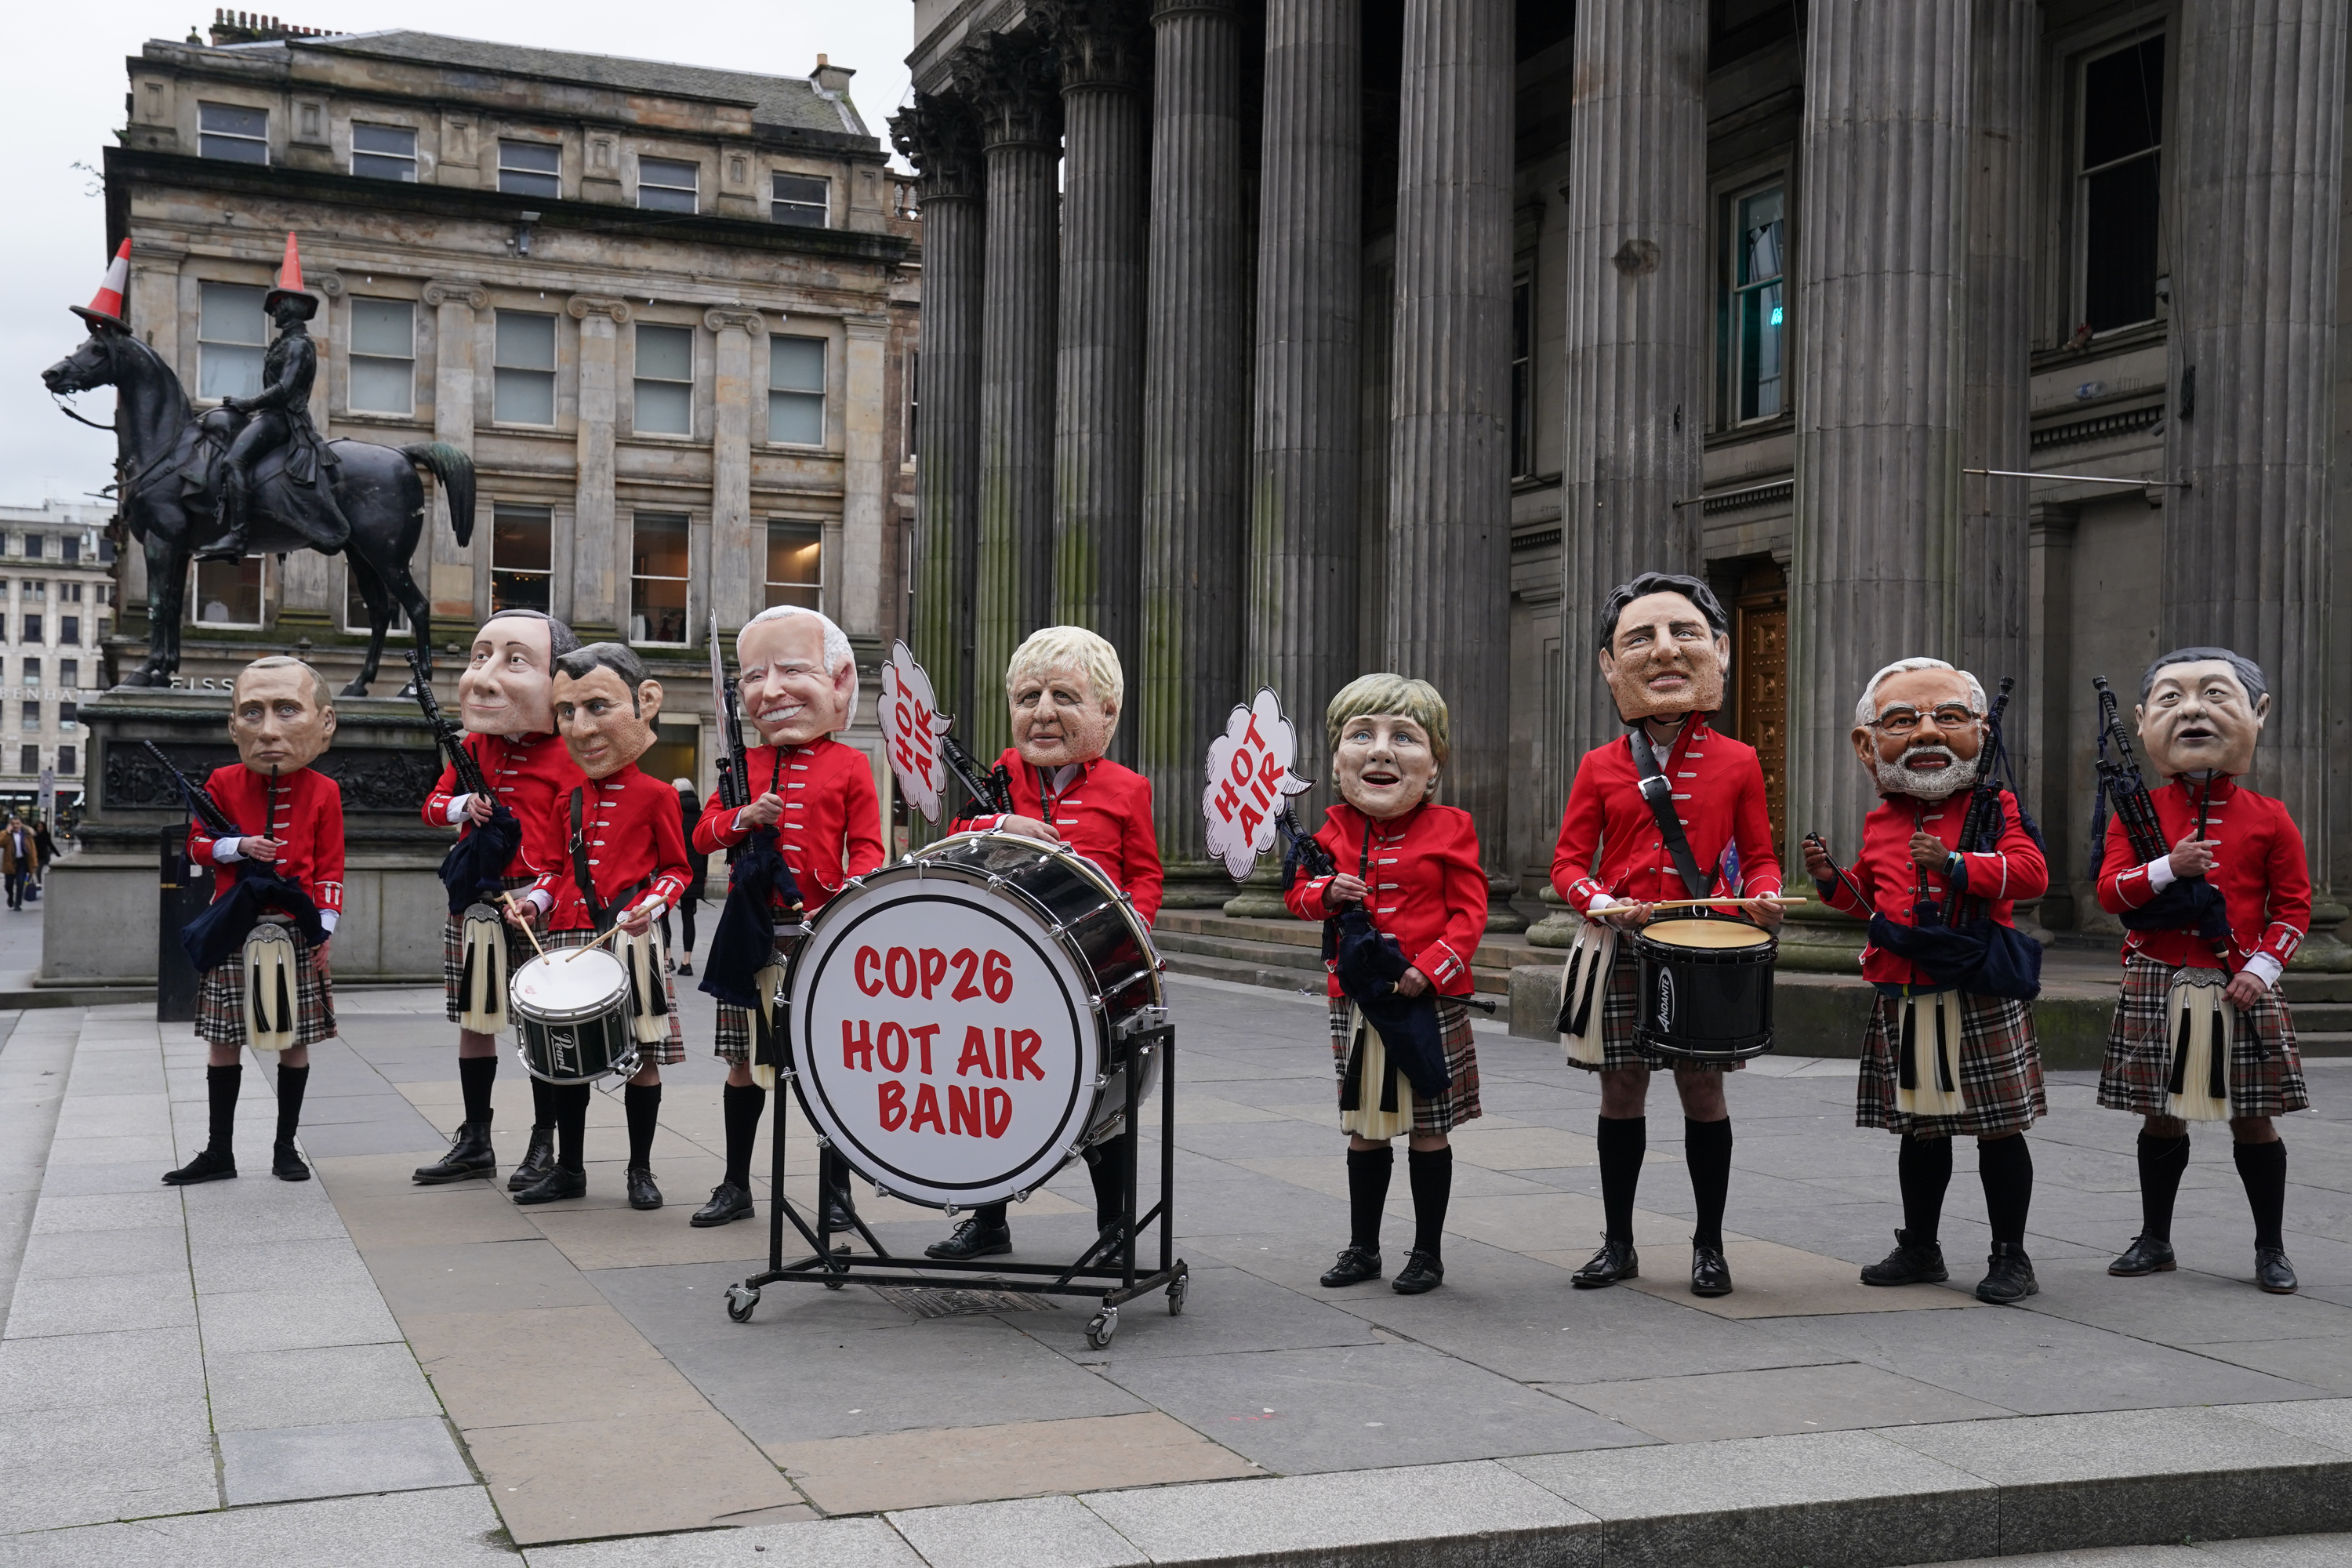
{"x":255,"y":474}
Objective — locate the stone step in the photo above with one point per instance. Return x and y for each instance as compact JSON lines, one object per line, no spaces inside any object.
{"x":2323,"y":1042}
{"x":1500,"y":951}
{"x":2320,"y":1016}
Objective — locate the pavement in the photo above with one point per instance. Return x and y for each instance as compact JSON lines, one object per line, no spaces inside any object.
{"x":357,"y":1370}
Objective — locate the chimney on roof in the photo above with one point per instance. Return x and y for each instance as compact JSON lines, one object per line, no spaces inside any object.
{"x":830,"y":78}
{"x":251,"y":27}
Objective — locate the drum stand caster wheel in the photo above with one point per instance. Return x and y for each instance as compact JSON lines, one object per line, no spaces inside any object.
{"x":1102,"y":1328}
{"x":740,"y":1299}
{"x":1176,"y":1297}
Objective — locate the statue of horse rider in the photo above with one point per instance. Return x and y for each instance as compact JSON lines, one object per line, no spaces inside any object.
{"x":279,"y":416}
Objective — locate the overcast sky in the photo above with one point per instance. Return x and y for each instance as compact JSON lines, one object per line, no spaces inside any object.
{"x":68,"y":104}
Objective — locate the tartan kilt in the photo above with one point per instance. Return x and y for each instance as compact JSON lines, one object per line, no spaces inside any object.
{"x":220,"y":1000}
{"x":1619,"y":1000}
{"x":453,"y":952}
{"x":732,"y":1043}
{"x":1459,"y":1101}
{"x":2000,"y":1072}
{"x":2265,"y":1067}
{"x":672,"y":1049}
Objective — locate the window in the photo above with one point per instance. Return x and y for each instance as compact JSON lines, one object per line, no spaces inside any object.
{"x":383,"y":356}
{"x":665,"y":184}
{"x":32,"y":628}
{"x":800,"y":200}
{"x":70,"y":674}
{"x":32,"y":717}
{"x":665,"y":380}
{"x":1523,"y":384}
{"x":523,"y":556}
{"x":383,"y":151}
{"x":70,"y":631}
{"x":657,"y":578}
{"x":228,"y":592}
{"x":795,"y":566}
{"x":29,"y":759}
{"x":65,"y":760}
{"x":1759,"y":329}
{"x":230,"y":336}
{"x":32,"y":672}
{"x":523,"y":388}
{"x":914,"y":396}
{"x":530,"y":168}
{"x":69,"y":593}
{"x":355,"y":611}
{"x":34,"y":543}
{"x":233,"y":132}
{"x":2122,"y":129}
{"x":33,"y":589}
{"x":70,"y":546}
{"x":68,"y":714}
{"x":796,"y":391}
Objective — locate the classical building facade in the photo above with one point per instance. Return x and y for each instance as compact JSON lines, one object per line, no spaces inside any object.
{"x":57,"y":599}
{"x":668,"y":310}
{"x":1391,"y":333}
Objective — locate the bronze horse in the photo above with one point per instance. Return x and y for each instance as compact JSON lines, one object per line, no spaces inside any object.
{"x":167,"y":469}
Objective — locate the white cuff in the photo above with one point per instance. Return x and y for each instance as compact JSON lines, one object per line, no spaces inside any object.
{"x":225,"y":850}
{"x":457,"y":805}
{"x":541,"y":898}
{"x":1600,"y":902}
{"x":2265,"y":967}
{"x":2160,"y":874}
{"x":328,"y":918}
{"x":740,"y":824}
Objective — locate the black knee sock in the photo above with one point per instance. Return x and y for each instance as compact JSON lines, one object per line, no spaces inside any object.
{"x":1706,"y":1148}
{"x":1430,"y":1172}
{"x":2262,"y":1168}
{"x":1622,"y":1141}
{"x":544,"y":1101}
{"x":291,"y":1082}
{"x":1369,"y":1171}
{"x":989,"y":1216}
{"x":570,"y":1103}
{"x":642,"y":1103}
{"x":475,"y":1076}
{"x":221,"y":1085}
{"x":2162,"y":1162}
{"x":2005,"y":1166}
{"x":741,"y":1104}
{"x":1107,"y":1169}
{"x":1923,"y":1169}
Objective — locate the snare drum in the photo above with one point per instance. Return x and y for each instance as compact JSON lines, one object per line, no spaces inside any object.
{"x":1704,"y":989}
{"x":570,"y":1010}
{"x":964,"y":1022}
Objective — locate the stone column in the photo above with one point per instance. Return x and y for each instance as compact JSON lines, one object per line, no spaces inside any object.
{"x":1105,"y":50}
{"x":1638,"y":328}
{"x":2050,"y":753}
{"x":1195,"y":426}
{"x":598,"y":580}
{"x":1449,"y":556}
{"x":1010,"y":80}
{"x":1881,"y":251}
{"x":738,"y":560}
{"x":939,"y":137}
{"x":865,"y":481}
{"x":454,"y":303}
{"x":2256,"y":189}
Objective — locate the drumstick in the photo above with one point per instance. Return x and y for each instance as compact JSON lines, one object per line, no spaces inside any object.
{"x":527,"y":928}
{"x":1693,"y":903}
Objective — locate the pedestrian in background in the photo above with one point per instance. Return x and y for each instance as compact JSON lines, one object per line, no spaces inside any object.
{"x":689,"y":811}
{"x":20,"y":856}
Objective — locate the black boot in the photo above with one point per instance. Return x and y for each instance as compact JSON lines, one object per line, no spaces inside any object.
{"x":1915,"y":1261}
{"x":537,"y":1161}
{"x":235,"y":507}
{"x":285,"y":1162}
{"x":218,"y":1161}
{"x":469,"y":1155}
{"x":984,"y":1235}
{"x":2009,"y":1276}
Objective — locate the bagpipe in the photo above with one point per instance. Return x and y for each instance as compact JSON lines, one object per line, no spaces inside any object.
{"x":992,"y":790}
{"x":741,"y":969}
{"x":2190,"y":903}
{"x":476,"y":867}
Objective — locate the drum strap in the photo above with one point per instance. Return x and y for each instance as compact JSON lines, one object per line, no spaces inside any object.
{"x":584,"y":875}
{"x":1658,"y":795}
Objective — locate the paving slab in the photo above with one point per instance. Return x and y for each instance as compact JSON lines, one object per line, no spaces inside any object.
{"x":967,"y":1464}
{"x":639,"y":1475}
{"x":830,"y":1543}
{"x":281,"y":1464}
{"x":158,"y":1299}
{"x":1029,"y":1533}
{"x":452,"y":1528}
{"x":100,"y":1371}
{"x":1780,"y":1400}
{"x":107,"y":1463}
{"x":321,"y":1386}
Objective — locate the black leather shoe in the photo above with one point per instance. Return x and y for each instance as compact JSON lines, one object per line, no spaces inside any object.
{"x":728,"y":1203}
{"x":555,"y":1187}
{"x":469,"y":1155}
{"x":1911,"y":1263}
{"x":686,"y":969}
{"x":2272,"y":1272}
{"x":1616,"y":1260}
{"x":1710,"y":1271}
{"x":2009,"y":1276}
{"x":2146,"y":1255}
{"x":205,"y":1167}
{"x":841,"y":1215}
{"x":286,"y":1164}
{"x":1356,"y":1265}
{"x":972,"y":1239}
{"x":537,"y":1161}
{"x":1422,"y":1272}
{"x":643,"y":1194}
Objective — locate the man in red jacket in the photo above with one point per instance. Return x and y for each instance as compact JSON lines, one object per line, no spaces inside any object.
{"x":798,"y":687}
{"x":2202,"y":710}
{"x":281,"y":719}
{"x":506,"y":700}
{"x":1665,"y":645}
{"x":1938,"y":1062}
{"x":1065,"y":687}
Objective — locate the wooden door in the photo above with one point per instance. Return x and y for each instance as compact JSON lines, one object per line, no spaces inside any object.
{"x":1760,"y":684}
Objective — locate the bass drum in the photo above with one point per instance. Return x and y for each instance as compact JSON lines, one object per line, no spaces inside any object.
{"x":964,"y":1022}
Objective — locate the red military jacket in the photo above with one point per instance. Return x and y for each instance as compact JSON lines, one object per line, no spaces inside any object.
{"x":1885,"y":873}
{"x":1610,"y":844}
{"x":527,"y":773}
{"x":635,"y":847}
{"x":309,"y":816}
{"x":1424,"y":883}
{"x":832,"y":827}
{"x":2259,"y":870}
{"x":1104,"y":813}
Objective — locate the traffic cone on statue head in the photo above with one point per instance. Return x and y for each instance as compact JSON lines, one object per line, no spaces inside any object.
{"x":105,"y":307}
{"x":289,"y":283}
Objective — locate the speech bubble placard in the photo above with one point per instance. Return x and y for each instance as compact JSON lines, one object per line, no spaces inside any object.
{"x":911,"y":725}
{"x":1248,"y":775}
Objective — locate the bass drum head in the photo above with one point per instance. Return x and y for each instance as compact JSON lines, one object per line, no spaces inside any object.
{"x":945,"y":1038}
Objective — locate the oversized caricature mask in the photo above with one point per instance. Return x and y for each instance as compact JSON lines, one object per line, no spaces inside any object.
{"x":788,"y":695}
{"x":606,"y":707}
{"x":1061,"y":714}
{"x":279,"y":715}
{"x":508,"y":688}
{"x":1922,"y":733}
{"x":2200,"y":711}
{"x":1664,"y":658}
{"x":1390,"y":740}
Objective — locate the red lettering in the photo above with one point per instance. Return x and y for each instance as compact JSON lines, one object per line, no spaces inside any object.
{"x":894,"y":1104}
{"x":890,"y":969}
{"x":996,"y":973}
{"x":975,"y":1053}
{"x":867,"y":957}
{"x":1239,"y":768}
{"x":968,"y":965}
{"x":1000,"y":1053}
{"x":1250,"y":819}
{"x":892,"y":1062}
{"x":1025,"y":1056}
{"x":1000,"y":1111}
{"x":857,"y":1051}
{"x":963,"y":1110}
{"x":1226,"y":801}
{"x":927,"y":1109}
{"x":1269,"y":773}
{"x":934,"y":966}
{"x":1251,"y":732}
{"x":923,"y":1041}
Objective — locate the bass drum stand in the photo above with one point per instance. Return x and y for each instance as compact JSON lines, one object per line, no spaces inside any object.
{"x":1106,"y":1271}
